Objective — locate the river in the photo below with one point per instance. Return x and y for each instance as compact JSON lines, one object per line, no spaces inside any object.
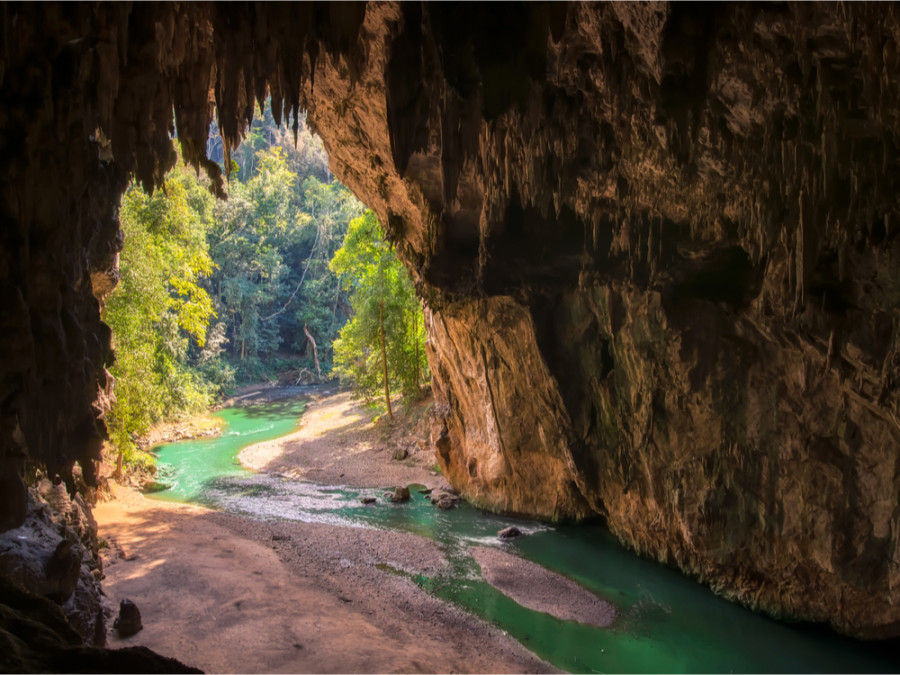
{"x":666,"y":623}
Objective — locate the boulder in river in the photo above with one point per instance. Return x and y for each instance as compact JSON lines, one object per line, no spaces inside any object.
{"x":156,"y":486}
{"x":129,"y":620}
{"x":368,"y":500}
{"x":509,"y":533}
{"x":444,"y":499}
{"x":401,"y":494}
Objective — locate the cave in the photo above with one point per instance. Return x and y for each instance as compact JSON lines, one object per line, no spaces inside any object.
{"x":657,"y":243}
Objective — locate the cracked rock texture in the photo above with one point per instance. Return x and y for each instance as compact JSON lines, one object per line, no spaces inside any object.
{"x":53,"y":554}
{"x":658,"y":243}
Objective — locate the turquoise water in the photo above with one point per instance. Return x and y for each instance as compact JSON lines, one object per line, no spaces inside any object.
{"x":188,"y":466}
{"x":666,"y":623}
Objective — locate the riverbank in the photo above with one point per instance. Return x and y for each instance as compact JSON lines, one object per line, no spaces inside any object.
{"x":229,"y":594}
{"x":337,"y":443}
{"x":205,"y":424}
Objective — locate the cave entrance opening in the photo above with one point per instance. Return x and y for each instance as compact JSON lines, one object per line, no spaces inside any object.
{"x":288,"y":280}
{"x":216,"y":294}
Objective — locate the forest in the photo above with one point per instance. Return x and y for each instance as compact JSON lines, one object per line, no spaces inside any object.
{"x":289,"y":279}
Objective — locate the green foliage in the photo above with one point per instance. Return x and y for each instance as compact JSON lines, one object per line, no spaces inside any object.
{"x":384,"y":305}
{"x":271,"y":243}
{"x":306,"y":157}
{"x":247,"y":240}
{"x":159,"y":306}
{"x":214,"y":294}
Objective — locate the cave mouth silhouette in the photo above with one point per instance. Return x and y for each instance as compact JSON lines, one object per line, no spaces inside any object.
{"x":689,"y":322}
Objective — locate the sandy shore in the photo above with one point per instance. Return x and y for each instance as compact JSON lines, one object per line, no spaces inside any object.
{"x":337,"y":444}
{"x":228,"y":594}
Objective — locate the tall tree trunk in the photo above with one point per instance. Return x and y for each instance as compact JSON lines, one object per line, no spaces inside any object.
{"x":384,"y":368}
{"x":311,"y":341}
{"x":416,"y":339}
{"x":337,"y":295}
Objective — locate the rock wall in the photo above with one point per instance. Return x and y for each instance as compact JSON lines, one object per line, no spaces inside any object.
{"x":658,"y":244}
{"x":54,"y":554}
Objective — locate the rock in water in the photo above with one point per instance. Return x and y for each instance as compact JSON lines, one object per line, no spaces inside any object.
{"x":129,"y":620}
{"x":444,"y":499}
{"x":368,"y":500}
{"x":509,"y":533}
{"x":156,"y":486}
{"x":401,"y":494}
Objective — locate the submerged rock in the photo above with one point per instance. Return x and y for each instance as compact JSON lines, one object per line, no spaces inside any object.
{"x":368,"y":500}
{"x":509,"y":533}
{"x":401,"y":494}
{"x":445,"y":499}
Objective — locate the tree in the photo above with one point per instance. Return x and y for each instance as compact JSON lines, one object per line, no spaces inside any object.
{"x":272,"y":242}
{"x":214,"y":292}
{"x":159,"y":306}
{"x":380,"y":346}
{"x":321,"y":302}
{"x":251,"y":232}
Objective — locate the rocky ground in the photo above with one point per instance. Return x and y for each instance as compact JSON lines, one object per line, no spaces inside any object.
{"x":229,"y":594}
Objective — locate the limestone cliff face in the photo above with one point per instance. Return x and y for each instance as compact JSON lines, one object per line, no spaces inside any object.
{"x":658,"y":244}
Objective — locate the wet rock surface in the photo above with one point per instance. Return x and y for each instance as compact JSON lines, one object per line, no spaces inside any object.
{"x":509,"y":533}
{"x":444,"y":499}
{"x":658,"y":244}
{"x":400,"y":495}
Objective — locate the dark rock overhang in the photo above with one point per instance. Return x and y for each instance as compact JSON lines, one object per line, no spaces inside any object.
{"x":658,"y":242}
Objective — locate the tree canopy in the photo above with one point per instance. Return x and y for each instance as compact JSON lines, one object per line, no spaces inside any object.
{"x":160,"y":306}
{"x":214,"y":294}
{"x":382,"y":347}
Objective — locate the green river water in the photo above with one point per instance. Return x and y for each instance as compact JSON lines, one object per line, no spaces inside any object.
{"x":666,"y":623}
